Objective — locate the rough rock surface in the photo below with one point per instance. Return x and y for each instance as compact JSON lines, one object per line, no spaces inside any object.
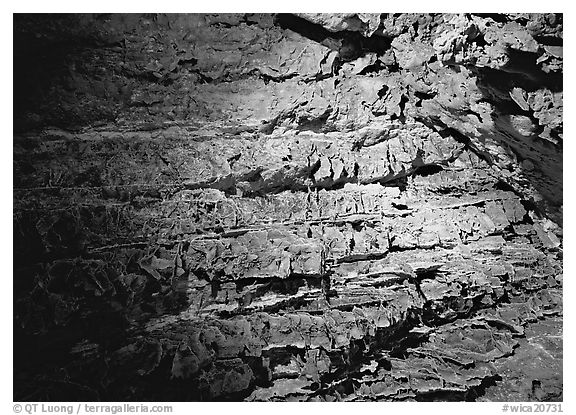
{"x":281,"y":207}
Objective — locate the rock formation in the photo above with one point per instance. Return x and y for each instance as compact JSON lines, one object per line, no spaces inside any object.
{"x":314,"y":207}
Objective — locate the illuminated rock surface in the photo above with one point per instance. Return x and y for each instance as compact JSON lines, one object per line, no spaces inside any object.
{"x":312,"y":207}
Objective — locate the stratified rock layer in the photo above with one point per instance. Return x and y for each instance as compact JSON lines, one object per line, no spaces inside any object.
{"x":276,"y":208}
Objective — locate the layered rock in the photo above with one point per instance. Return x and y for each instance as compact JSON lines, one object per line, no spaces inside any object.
{"x":313,"y":207}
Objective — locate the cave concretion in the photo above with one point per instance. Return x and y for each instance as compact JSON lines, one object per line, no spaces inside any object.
{"x":311,"y":207}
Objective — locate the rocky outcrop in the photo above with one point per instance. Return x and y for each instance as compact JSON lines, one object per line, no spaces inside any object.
{"x":288,"y":207}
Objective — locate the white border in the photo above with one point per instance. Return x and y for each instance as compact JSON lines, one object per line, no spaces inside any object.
{"x":493,"y":6}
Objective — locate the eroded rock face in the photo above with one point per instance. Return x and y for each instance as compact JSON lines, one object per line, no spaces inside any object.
{"x":277,"y":207}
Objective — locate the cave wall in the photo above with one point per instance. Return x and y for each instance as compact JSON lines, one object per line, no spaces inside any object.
{"x":288,"y":207}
